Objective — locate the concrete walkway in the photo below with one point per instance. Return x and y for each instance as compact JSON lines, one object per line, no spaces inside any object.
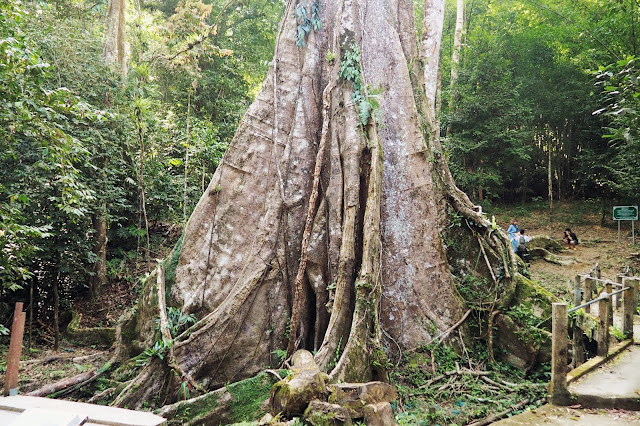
{"x":31,"y":411}
{"x":554,"y":415}
{"x":613,"y":385}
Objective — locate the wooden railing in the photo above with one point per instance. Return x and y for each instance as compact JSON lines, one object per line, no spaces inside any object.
{"x":628,"y":289}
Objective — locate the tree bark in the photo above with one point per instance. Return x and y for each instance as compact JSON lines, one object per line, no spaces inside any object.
{"x":99,"y":277}
{"x":114,"y":49}
{"x":320,"y":228}
{"x":430,"y":49}
{"x":455,"y":58}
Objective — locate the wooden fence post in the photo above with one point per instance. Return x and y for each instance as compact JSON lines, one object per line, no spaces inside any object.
{"x":588,"y":292}
{"x":629,"y":306}
{"x":578,"y":342}
{"x":608,"y":288}
{"x":619,"y":280}
{"x":559,"y":351}
{"x":603,"y":326}
{"x":15,"y":351}
{"x":577,"y":291}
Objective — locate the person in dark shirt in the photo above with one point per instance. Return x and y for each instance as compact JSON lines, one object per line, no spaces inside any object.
{"x":570,"y":239}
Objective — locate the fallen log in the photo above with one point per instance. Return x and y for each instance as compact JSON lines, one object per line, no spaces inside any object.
{"x":62,"y":384}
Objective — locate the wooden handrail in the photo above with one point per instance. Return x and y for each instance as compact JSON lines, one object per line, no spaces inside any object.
{"x":602,"y":296}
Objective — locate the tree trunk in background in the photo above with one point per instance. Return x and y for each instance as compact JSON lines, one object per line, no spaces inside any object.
{"x":321,"y":226}
{"x":56,"y":309}
{"x":99,"y":277}
{"x":115,"y":50}
{"x":457,"y":42}
{"x":550,"y":180}
{"x":430,"y":50}
{"x":455,"y":59}
{"x":114,"y":53}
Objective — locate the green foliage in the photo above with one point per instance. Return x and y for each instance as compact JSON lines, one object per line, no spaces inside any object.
{"x":366,"y":99}
{"x":178,"y":321}
{"x":523,"y":92}
{"x":280,"y":355}
{"x":306,"y":23}
{"x":620,"y":94}
{"x":531,"y":331}
{"x":159,"y":350}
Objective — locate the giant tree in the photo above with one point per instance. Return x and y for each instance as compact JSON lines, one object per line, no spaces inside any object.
{"x":321,"y":228}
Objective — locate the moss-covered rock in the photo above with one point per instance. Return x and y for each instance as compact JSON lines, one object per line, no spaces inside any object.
{"x":516,"y":346}
{"x":546,"y":242}
{"x":320,"y":413}
{"x":533,"y":296}
{"x":354,"y":396}
{"x":523,"y":330}
{"x":292,"y":395}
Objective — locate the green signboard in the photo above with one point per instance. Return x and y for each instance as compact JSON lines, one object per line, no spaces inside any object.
{"x":625,"y":213}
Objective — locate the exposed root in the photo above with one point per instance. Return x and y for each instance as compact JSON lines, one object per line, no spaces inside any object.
{"x":166,"y":333}
{"x":490,"y":335}
{"x":444,"y":334}
{"x":313,"y":201}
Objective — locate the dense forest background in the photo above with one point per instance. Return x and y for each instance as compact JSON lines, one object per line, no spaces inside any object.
{"x":101,"y":163}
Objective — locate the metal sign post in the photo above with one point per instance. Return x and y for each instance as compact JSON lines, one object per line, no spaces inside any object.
{"x":626,"y":213}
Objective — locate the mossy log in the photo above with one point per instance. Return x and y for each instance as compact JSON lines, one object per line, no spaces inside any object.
{"x":99,"y":336}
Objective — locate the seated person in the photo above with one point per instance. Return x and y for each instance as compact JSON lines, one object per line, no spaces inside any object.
{"x":570,"y":239}
{"x":522,"y":246}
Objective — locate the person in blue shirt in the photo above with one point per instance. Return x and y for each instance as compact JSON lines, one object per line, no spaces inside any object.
{"x":512,"y":231}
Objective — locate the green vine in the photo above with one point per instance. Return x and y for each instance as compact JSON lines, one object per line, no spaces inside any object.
{"x":351,"y":70}
{"x":306,"y":23}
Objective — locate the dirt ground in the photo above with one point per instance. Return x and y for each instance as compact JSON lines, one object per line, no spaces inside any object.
{"x":598,"y":245}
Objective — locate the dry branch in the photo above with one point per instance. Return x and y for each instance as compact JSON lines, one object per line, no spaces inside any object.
{"x":62,"y":384}
{"x":491,"y":419}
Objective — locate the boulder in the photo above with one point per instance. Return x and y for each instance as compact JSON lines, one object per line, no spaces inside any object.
{"x":354,"y":396}
{"x":379,"y":414}
{"x":320,"y":413}
{"x":292,"y":395}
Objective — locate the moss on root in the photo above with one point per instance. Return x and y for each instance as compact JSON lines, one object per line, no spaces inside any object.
{"x":243,"y":401}
{"x":533,"y":296}
{"x":249,"y":396}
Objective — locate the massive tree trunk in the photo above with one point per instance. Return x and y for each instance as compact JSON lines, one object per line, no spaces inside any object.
{"x":321,"y":227}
